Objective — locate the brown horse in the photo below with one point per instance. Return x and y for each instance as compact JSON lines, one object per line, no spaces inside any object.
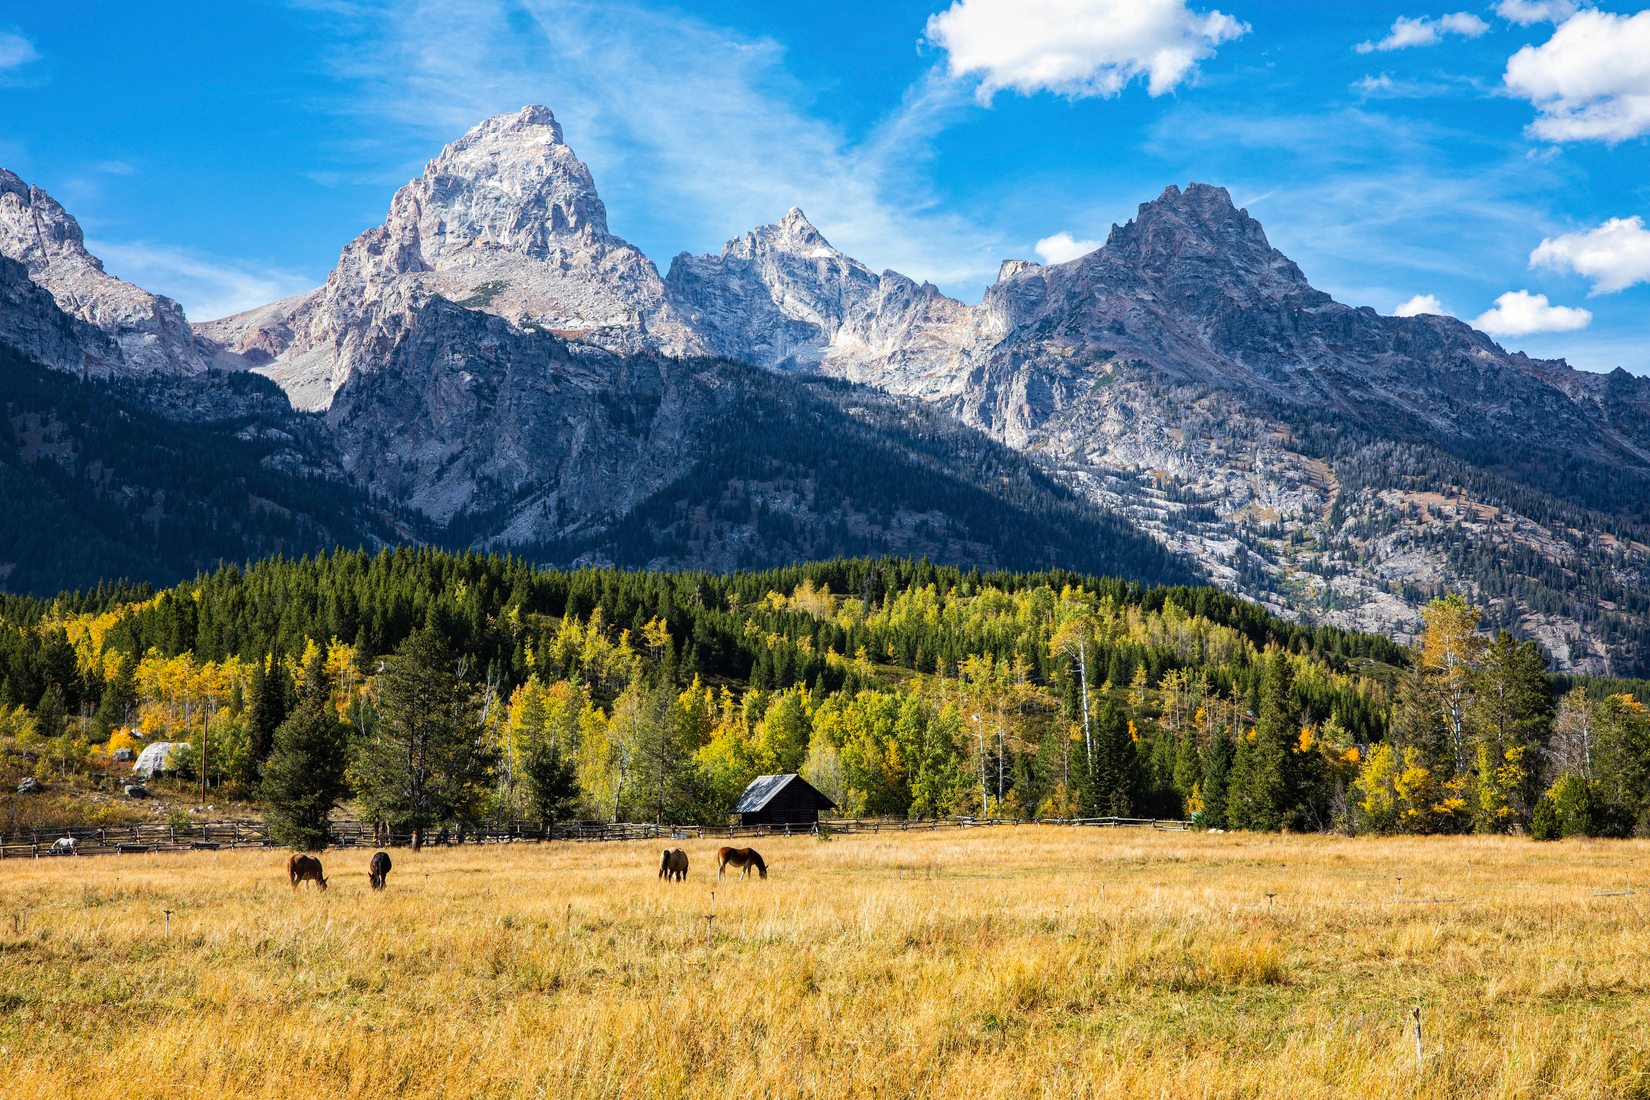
{"x":673,"y":865}
{"x":305,"y":869}
{"x":378,"y":871}
{"x":744,"y":858}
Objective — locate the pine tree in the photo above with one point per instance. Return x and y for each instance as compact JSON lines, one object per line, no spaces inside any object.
{"x":1115,"y":768}
{"x":303,"y":779}
{"x":552,"y":780}
{"x":266,"y":705}
{"x":1217,"y":768}
{"x":1510,"y":713}
{"x":1259,"y":795}
{"x":118,"y":701}
{"x":425,"y":762}
{"x":51,"y":716}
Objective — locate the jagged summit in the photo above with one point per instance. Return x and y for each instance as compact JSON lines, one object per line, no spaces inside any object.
{"x":149,"y":331}
{"x":1185,"y":373}
{"x":510,"y":183}
{"x":505,"y":220}
{"x":1198,"y":227}
{"x":782,"y":297}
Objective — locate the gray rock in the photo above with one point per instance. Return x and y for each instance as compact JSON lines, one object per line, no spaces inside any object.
{"x":148,"y":333}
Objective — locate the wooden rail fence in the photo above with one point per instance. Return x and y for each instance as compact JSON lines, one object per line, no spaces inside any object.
{"x":213,"y":835}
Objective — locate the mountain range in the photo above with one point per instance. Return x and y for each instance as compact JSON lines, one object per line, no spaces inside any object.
{"x":492,"y":367}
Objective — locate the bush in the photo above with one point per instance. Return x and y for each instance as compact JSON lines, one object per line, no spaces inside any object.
{"x":1573,"y":808}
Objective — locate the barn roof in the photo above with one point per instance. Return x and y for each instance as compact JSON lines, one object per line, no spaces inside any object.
{"x":764,"y":787}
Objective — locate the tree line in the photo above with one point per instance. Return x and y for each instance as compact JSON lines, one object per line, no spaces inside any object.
{"x":441,"y":690}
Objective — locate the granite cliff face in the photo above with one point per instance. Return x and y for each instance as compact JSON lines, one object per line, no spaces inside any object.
{"x":145,"y":332}
{"x":505,"y":221}
{"x":781,"y":297}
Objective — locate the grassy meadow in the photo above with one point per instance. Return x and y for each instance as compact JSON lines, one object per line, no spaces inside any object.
{"x":1010,"y":962}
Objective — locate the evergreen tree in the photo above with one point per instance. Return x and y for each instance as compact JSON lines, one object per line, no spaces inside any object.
{"x":303,"y":779}
{"x":1115,"y":768}
{"x":118,"y":702}
{"x":425,"y":762}
{"x":1510,"y":713}
{"x":552,"y":780}
{"x":1259,"y":795}
{"x":1622,"y":769}
{"x":266,"y":705}
{"x":1217,"y":768}
{"x":51,"y":716}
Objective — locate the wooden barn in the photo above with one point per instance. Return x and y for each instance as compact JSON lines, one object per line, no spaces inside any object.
{"x":781,"y":800}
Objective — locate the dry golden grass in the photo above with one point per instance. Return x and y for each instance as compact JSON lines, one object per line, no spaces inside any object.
{"x":951,"y":964}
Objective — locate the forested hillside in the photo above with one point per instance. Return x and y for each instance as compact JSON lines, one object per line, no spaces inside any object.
{"x":897,"y":687}
{"x":98,"y":484}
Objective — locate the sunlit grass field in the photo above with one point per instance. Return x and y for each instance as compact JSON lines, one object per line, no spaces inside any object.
{"x":1005,"y":962}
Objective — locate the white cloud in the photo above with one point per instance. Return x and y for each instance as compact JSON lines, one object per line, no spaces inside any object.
{"x":1590,"y":81}
{"x":1615,"y":256}
{"x":1422,"y":304}
{"x":207,"y":287}
{"x":694,"y":133}
{"x":1520,"y":313}
{"x":1422,"y":31}
{"x":1077,"y":47}
{"x":1529,"y":12}
{"x":16,"y":51}
{"x":1061,"y":247}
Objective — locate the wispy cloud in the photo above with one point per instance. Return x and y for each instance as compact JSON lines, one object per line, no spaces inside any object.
{"x":206,"y":286}
{"x":16,"y":51}
{"x":20,"y":60}
{"x":1529,"y":12}
{"x":693,"y":132}
{"x":1409,"y":32}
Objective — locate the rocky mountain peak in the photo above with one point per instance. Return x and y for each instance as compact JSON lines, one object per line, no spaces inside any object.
{"x":505,"y":220}
{"x":794,"y":237}
{"x":510,"y":183}
{"x":1199,"y":226}
{"x":34,"y":227}
{"x":149,"y":331}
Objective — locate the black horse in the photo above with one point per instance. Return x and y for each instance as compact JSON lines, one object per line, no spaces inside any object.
{"x":379,"y":870}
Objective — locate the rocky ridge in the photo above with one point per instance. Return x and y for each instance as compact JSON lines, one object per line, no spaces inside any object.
{"x":782,"y":297}
{"x":147,"y":333}
{"x":494,"y":358}
{"x":505,"y":221}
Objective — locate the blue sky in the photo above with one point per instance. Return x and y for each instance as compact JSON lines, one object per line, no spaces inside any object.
{"x":223,"y":153}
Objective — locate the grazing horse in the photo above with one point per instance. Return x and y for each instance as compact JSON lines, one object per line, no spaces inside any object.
{"x":673,"y":865}
{"x":305,"y":869}
{"x":379,"y":870}
{"x":744,"y":858}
